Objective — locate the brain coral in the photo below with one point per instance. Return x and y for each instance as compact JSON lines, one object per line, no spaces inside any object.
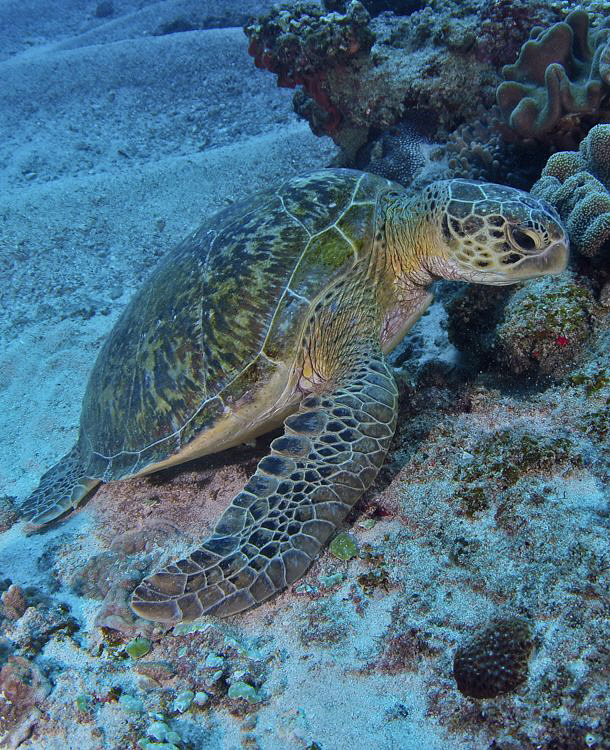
{"x":577,"y":183}
{"x":561,"y":72}
{"x":495,"y":660}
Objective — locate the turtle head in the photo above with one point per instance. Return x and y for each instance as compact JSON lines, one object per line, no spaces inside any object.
{"x":492,"y":234}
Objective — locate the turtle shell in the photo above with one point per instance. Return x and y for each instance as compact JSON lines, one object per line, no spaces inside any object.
{"x":220,"y":317}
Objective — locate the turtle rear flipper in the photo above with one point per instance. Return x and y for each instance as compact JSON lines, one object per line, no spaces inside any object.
{"x":61,"y":489}
{"x":273,"y":530}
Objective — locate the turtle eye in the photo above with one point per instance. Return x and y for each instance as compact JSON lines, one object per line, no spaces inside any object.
{"x":524,"y":239}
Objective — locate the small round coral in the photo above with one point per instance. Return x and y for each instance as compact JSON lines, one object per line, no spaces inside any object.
{"x":495,"y":660}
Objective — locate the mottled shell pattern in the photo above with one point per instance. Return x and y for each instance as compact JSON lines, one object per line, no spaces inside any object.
{"x":218,"y":315}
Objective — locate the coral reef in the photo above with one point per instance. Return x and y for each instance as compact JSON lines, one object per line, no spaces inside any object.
{"x":302,"y":45}
{"x":472,"y":523}
{"x":484,"y":150}
{"x":363,"y":69}
{"x":360,"y":75}
{"x":577,"y":184}
{"x":505,"y":26}
{"x":544,"y":328}
{"x":495,"y":660}
{"x":561,"y":77}
{"x":493,"y":499}
{"x":374,"y":7}
{"x":540,"y":329}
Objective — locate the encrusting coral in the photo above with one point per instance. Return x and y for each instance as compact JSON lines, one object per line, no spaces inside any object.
{"x":505,"y":25}
{"x":540,"y":329}
{"x":562,"y":74}
{"x":577,"y":184}
{"x":546,"y":327}
{"x":302,"y":44}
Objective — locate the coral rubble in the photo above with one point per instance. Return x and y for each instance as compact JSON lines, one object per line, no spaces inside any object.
{"x":23,"y":688}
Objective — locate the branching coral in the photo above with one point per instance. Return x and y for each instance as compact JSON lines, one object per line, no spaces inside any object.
{"x":561,"y":72}
{"x":577,"y":183}
{"x":481,"y":150}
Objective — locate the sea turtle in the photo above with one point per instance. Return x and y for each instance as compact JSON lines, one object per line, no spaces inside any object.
{"x":281,"y":309}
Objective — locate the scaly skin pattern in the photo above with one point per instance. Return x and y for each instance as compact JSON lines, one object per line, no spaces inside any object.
{"x":337,"y":266}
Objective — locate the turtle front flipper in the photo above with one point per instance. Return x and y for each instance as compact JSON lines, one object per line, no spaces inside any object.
{"x":330,"y":453}
{"x":60,"y":489}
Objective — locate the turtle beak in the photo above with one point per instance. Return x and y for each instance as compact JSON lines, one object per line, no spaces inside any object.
{"x":551,"y":261}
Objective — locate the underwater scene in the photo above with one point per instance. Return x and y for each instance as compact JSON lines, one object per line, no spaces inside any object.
{"x":304,"y":375}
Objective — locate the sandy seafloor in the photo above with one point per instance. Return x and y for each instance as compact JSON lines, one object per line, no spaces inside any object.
{"x":114,"y":144}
